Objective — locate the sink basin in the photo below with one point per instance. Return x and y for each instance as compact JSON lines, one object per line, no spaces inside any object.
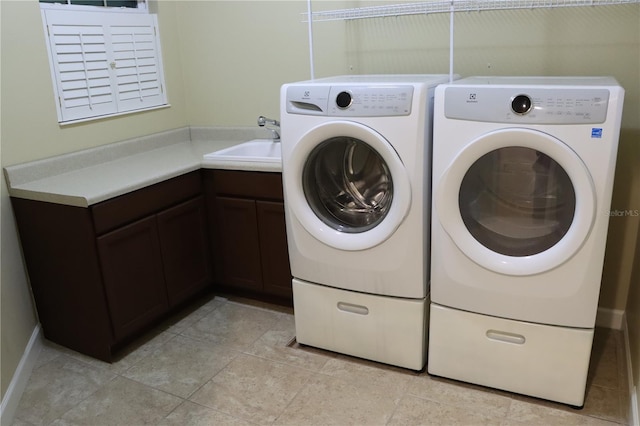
{"x":256,"y":150}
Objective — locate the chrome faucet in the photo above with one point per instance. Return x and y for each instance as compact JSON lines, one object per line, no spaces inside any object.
{"x":263,"y":121}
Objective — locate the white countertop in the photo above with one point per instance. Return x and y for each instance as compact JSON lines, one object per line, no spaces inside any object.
{"x":88,"y":177}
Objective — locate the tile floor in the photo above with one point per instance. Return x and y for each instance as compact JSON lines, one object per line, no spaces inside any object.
{"x":234,"y":362}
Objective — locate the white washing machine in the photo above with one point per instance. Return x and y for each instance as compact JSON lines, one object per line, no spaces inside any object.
{"x":522,"y":180}
{"x":356,"y":175}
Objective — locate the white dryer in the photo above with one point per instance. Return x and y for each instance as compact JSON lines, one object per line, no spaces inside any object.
{"x":356,"y":175}
{"x":522,"y":180}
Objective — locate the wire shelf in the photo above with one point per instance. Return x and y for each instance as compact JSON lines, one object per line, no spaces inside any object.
{"x":446,"y":6}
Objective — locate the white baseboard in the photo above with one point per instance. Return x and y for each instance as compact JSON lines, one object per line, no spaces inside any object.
{"x":21,"y":377}
{"x":635,"y":401}
{"x":610,"y":318}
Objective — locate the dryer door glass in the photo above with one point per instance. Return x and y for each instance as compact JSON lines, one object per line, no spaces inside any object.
{"x":517,"y":201}
{"x":347,"y":184}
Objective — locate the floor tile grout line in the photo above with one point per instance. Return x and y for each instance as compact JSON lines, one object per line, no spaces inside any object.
{"x":287,"y":364}
{"x":170,"y":393}
{"x":304,"y":385}
{"x":258,"y":308}
{"x":238,"y":353}
{"x":228,"y":413}
{"x":115,"y":376}
{"x":174,"y":409}
{"x":456,"y":406}
{"x":209,"y":408}
{"x":404,"y":395}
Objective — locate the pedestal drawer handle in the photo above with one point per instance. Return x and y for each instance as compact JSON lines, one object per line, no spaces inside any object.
{"x":504,"y":336}
{"x":354,"y":309}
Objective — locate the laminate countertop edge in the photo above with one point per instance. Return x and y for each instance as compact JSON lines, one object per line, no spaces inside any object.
{"x":97,"y":174}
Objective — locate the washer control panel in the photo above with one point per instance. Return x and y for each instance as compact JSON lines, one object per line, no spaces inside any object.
{"x":527,"y":105}
{"x":370,"y":101}
{"x":350,"y":101}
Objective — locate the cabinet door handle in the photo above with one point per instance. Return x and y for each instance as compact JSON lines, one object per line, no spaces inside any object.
{"x":354,"y":309}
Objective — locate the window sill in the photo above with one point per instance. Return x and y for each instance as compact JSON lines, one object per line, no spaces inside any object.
{"x":115,"y":115}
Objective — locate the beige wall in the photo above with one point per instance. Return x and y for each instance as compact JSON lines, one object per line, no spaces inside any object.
{"x":239,"y":53}
{"x":225,"y":61}
{"x":18,"y":315}
{"x":633,"y":301}
{"x":633,"y":320}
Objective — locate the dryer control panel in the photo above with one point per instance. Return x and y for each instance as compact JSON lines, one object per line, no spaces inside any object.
{"x":532,"y":105}
{"x":350,"y":101}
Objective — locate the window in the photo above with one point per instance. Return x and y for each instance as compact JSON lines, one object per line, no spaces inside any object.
{"x":103,"y":63}
{"x":100,"y":3}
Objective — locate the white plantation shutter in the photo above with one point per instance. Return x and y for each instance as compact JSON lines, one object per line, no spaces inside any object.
{"x":80,"y":64}
{"x":138,"y":75}
{"x":104,"y":63}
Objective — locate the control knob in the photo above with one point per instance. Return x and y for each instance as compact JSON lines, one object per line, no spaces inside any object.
{"x":343,"y":100}
{"x":521,"y":104}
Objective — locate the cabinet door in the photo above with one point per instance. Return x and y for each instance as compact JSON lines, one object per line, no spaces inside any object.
{"x":276,"y":271}
{"x":185,"y":249}
{"x":133,"y":276}
{"x":238,"y":243}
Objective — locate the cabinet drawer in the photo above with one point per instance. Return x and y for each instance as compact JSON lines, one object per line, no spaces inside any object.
{"x":257,"y":185}
{"x":127,"y":208}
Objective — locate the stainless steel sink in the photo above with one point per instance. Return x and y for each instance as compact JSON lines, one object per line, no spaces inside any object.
{"x":254,"y":151}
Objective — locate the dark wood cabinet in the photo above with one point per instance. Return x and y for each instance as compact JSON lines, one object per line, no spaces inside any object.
{"x":246,"y":213}
{"x":102,"y":274}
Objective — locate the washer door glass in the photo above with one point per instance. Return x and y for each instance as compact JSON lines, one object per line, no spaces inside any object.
{"x":347,"y":184}
{"x":517,"y":201}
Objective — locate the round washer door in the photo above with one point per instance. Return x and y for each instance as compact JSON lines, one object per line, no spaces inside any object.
{"x":517,"y":202}
{"x":347,"y":185}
